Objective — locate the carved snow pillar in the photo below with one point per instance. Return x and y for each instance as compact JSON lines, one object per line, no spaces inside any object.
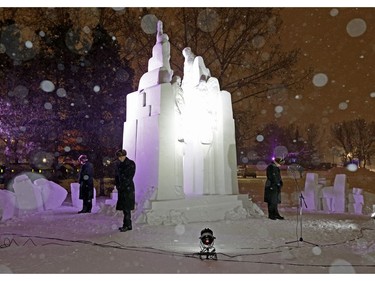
{"x":150,"y":128}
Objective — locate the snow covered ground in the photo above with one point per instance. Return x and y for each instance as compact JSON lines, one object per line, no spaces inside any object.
{"x":62,"y":241}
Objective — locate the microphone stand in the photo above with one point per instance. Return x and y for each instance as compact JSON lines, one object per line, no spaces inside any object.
{"x":302,"y":203}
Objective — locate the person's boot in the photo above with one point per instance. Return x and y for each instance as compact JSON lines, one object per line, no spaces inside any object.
{"x":125,"y":228}
{"x":278,"y":216}
{"x":271,"y":213}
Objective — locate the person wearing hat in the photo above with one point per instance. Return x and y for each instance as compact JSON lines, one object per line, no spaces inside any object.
{"x":272,"y":188}
{"x":124,"y":173}
{"x":86,"y":183}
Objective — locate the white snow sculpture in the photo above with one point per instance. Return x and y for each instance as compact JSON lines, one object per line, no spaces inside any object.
{"x":312,"y":191}
{"x":159,"y":69}
{"x":74,"y":193}
{"x":28,"y":195}
{"x":53,"y":195}
{"x":355,"y":201}
{"x":209,"y":141}
{"x":150,"y":129}
{"x":333,"y":197}
{"x":181,"y":136}
{"x":195,"y":69}
{"x":7,"y":205}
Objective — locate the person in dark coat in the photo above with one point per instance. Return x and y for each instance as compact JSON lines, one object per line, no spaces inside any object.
{"x":86,"y":183}
{"x":125,"y":171}
{"x":272,"y":189}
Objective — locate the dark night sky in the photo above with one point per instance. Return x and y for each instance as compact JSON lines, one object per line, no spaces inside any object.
{"x":339,"y":43}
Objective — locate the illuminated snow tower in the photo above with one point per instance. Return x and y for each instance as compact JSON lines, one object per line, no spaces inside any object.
{"x":149,"y":130}
{"x":181,"y":136}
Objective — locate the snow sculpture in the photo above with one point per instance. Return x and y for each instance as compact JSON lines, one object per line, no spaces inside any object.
{"x":7,"y":205}
{"x":355,"y":201}
{"x":180,"y":133}
{"x":28,"y":195}
{"x":159,"y":69}
{"x":195,"y":70}
{"x":311,"y":192}
{"x":53,"y":195}
{"x":209,"y":160}
{"x":333,"y":197}
{"x":74,"y":193}
{"x":150,"y":128}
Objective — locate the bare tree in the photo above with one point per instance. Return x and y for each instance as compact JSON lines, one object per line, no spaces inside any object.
{"x":357,"y":138}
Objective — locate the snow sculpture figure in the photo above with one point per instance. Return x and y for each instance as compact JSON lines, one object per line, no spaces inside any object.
{"x":162,"y":49}
{"x":209,"y":158}
{"x":159,"y":69}
{"x":179,"y":108}
{"x":195,"y":70}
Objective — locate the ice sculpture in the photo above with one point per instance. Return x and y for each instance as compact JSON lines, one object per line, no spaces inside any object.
{"x":28,"y":195}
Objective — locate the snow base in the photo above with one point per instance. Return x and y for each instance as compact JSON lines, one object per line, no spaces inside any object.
{"x":199,"y":209}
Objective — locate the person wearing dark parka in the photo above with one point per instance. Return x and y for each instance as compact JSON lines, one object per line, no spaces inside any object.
{"x":272,"y":189}
{"x":124,"y":174}
{"x":86,"y":183}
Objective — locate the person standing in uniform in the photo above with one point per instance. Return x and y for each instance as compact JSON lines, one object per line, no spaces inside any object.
{"x":86,"y":183}
{"x":125,"y":171}
{"x":272,"y":189}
